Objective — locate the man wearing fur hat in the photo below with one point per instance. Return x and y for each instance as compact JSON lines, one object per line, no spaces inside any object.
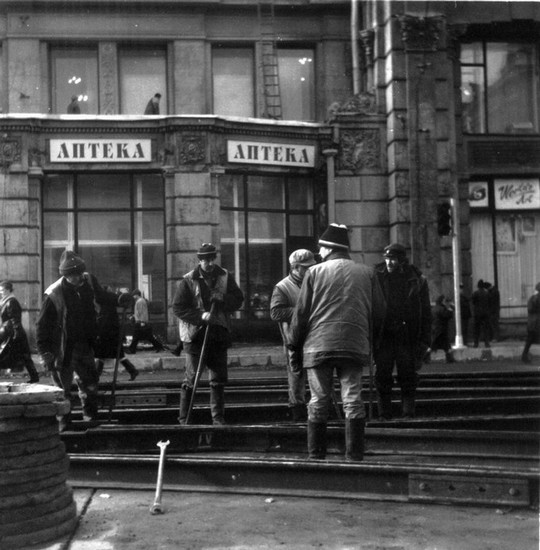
{"x":66,"y":332}
{"x":407,"y":330}
{"x":339,"y":310}
{"x":284,"y":298}
{"x":206,"y":296}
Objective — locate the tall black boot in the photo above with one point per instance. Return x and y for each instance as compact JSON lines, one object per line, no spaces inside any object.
{"x":408,"y":405}
{"x":354,"y":438}
{"x":99,"y":366}
{"x":217,"y":404}
{"x":131,"y":369}
{"x":384,"y":406}
{"x":185,"y":400}
{"x":31,"y":368}
{"x":316,"y":436}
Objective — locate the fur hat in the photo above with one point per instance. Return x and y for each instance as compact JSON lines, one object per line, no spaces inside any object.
{"x":335,"y":236}
{"x":207,"y":250}
{"x":303,"y":257}
{"x":71,"y":263}
{"x":395,"y":250}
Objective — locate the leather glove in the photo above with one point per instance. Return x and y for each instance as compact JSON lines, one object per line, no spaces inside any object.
{"x":217,"y":297}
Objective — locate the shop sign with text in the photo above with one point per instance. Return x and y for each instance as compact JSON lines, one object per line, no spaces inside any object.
{"x":517,"y":193}
{"x":277,"y":154}
{"x":100,"y":150}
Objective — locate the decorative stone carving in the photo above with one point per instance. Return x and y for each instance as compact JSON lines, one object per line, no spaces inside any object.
{"x":367,"y":38}
{"x":362,"y":104}
{"x":107,"y":71}
{"x":420,"y":33}
{"x":359,"y":150}
{"x":10,"y":151}
{"x":36,"y":157}
{"x":192,"y":149}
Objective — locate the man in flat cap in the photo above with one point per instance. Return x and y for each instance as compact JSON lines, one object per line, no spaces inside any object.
{"x":406,"y":332}
{"x":284,"y":298}
{"x":207,"y":295}
{"x":339,"y":310}
{"x":66,"y":333}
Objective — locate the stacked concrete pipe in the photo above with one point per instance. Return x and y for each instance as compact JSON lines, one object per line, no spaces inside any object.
{"x":36,"y":504}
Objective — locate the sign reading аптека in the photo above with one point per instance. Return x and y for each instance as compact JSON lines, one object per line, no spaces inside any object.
{"x":100,"y":150}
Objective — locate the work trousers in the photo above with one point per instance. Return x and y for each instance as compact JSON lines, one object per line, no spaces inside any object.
{"x":296,"y":377}
{"x":215,"y":362}
{"x":321,"y":385}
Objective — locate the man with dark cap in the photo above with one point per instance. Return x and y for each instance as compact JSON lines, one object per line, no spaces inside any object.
{"x":284,"y":298}
{"x":204,"y":299}
{"x":152,"y":107}
{"x":406,"y":330}
{"x":66,"y":333}
{"x":338,"y":314}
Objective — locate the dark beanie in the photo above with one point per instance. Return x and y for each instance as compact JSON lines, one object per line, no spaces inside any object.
{"x":71,"y":263}
{"x":335,"y":236}
{"x":395,"y":250}
{"x":206,"y":251}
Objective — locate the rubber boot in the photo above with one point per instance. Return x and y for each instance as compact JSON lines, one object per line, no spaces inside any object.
{"x":131,"y":369}
{"x":408,"y":406}
{"x":185,"y":400}
{"x":384,"y":406}
{"x":217,"y":405}
{"x":99,"y":366}
{"x":298,"y":412}
{"x":354,"y":438}
{"x":31,"y":368}
{"x":316,"y":436}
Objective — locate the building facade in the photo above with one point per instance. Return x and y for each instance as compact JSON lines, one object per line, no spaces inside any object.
{"x":275,"y":117}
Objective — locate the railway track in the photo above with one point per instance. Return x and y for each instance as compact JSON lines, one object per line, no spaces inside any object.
{"x":475,"y":440}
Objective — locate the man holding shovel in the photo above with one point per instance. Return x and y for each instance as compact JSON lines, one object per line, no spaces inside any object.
{"x":204,"y":299}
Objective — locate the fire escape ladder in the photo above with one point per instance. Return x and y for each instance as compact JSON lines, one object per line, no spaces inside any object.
{"x":270,"y":69}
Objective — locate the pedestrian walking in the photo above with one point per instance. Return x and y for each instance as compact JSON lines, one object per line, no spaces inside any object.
{"x":282,"y":303}
{"x":494,"y":300}
{"x":466,"y":314}
{"x":339,"y":312}
{"x":66,"y":333}
{"x":443,"y":313}
{"x":142,"y":329}
{"x":533,"y":323}
{"x":15,"y":349}
{"x":204,"y":299}
{"x":481,"y":308}
{"x":108,"y":344}
{"x":406,"y":333}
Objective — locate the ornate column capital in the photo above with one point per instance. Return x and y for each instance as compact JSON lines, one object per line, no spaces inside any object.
{"x":420,"y":33}
{"x":367,"y":38}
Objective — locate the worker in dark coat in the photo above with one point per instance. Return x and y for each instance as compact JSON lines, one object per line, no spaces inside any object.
{"x":407,"y":330}
{"x":205,"y":297}
{"x":443,"y":313}
{"x":533,"y":323}
{"x":14,"y":350}
{"x":338,"y":315}
{"x":481,"y":307}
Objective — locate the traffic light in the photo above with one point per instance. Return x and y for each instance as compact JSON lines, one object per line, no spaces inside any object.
{"x":444,"y":219}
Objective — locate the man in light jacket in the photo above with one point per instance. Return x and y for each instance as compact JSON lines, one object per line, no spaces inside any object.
{"x":339,"y":312}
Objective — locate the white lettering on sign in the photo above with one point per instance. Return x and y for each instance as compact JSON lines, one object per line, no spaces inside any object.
{"x":517,"y":194}
{"x":100,"y":150}
{"x":283,"y":154}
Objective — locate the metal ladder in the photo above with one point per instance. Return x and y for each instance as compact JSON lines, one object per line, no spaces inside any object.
{"x":270,"y":70}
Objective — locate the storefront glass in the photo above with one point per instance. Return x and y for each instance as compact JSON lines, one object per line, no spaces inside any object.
{"x":116,"y":223}
{"x":263,"y":219}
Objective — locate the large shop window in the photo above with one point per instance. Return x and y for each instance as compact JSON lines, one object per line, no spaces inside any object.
{"x":297,"y":83}
{"x":233,"y":81}
{"x":263,"y":219}
{"x":116,"y":223}
{"x":505,"y":239}
{"x":143,"y":73}
{"x":74,"y":73}
{"x":499,"y":88}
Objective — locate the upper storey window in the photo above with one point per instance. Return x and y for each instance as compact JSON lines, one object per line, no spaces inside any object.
{"x":74,"y":80}
{"x":297,"y":83}
{"x":499,"y":88}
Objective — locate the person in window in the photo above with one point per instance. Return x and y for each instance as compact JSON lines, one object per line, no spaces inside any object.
{"x":142,"y":330}
{"x":407,"y":330}
{"x":533,"y":323}
{"x":66,"y":333}
{"x":205,"y":297}
{"x":339,"y":313}
{"x":152,"y":107}
{"x":15,"y":350}
{"x":284,"y":298}
{"x":74,"y":108}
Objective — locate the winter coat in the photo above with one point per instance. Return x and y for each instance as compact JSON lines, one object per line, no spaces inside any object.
{"x":481,"y":303}
{"x":339,"y":312}
{"x":417,"y":307}
{"x":284,"y":298}
{"x":533,"y":316}
{"x":108,"y":328}
{"x":17,"y":347}
{"x":441,"y":318}
{"x":193,"y":298}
